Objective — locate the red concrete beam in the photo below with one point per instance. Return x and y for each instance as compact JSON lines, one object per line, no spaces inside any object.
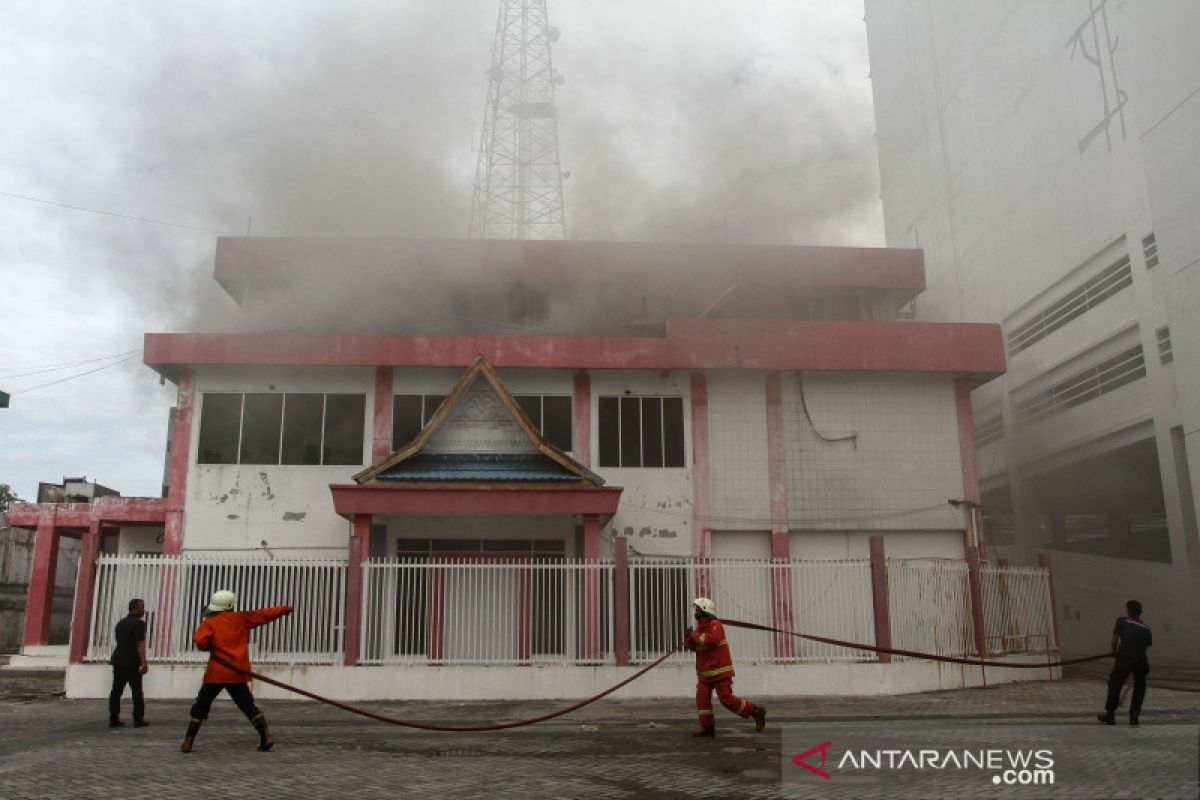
{"x":959,"y":348}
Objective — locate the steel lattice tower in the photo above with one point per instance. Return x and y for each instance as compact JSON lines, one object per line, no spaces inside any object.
{"x":518,"y":181}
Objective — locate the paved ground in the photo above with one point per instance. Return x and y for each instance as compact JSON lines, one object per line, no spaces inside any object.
{"x":54,"y":747}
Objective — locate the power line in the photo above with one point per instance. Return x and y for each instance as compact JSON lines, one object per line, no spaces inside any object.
{"x":113,"y":213}
{"x":64,"y":365}
{"x":79,"y":375}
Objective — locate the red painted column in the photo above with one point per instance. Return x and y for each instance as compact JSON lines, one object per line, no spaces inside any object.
{"x":381,"y":440}
{"x":359,"y":550}
{"x":976,"y":600}
{"x":81,"y":617}
{"x":701,"y":485}
{"x":1045,"y":563}
{"x":879,"y":598}
{"x":972,"y":495}
{"x":181,"y":443}
{"x":581,"y":418}
{"x":621,"y":600}
{"x":591,"y":595}
{"x":781,"y":578}
{"x":39,"y":603}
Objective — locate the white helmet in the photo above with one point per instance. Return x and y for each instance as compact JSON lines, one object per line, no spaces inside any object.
{"x":222,"y":600}
{"x":705,"y":605}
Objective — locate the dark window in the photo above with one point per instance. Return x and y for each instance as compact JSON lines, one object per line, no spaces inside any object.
{"x":608,"y":422}
{"x":411,"y":413}
{"x":262,"y":415}
{"x":531,"y":404}
{"x":641,"y":432}
{"x":345,"y":415}
{"x":302,"y":415}
{"x":406,"y":419}
{"x":220,"y":424}
{"x":432,"y":403}
{"x":551,"y":415}
{"x":673,"y":432}
{"x":558,"y":422}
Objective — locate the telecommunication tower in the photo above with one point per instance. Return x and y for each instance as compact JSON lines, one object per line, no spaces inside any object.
{"x":518,"y":180}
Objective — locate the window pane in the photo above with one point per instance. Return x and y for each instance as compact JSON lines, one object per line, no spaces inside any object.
{"x":531,"y":404}
{"x":345,"y":415}
{"x":652,"y":451}
{"x":673,"y":432}
{"x":261,"y":417}
{"x":432,"y":401}
{"x":406,"y":419}
{"x":302,"y":428}
{"x":631,"y":432}
{"x":220,"y":419}
{"x":608,"y":432}
{"x":557,"y":424}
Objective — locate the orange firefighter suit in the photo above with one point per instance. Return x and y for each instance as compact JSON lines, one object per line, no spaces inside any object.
{"x":714,"y":671}
{"x":227,"y":635}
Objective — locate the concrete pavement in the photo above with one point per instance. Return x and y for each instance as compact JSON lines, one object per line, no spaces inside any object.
{"x":54,"y":747}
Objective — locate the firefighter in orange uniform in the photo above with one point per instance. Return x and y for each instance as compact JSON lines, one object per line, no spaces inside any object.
{"x":225,"y":633}
{"x":714,"y":670}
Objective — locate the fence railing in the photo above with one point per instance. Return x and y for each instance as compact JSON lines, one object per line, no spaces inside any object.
{"x":434,"y":610}
{"x":176,"y":589}
{"x":1016,"y":610}
{"x":929,"y":601}
{"x":497,"y":612}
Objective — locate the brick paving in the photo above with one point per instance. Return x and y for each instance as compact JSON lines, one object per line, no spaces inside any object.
{"x":54,"y":747}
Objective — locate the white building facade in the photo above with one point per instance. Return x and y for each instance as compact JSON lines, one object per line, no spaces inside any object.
{"x":1043,"y":156}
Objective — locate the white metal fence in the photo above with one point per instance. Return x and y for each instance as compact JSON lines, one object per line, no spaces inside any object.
{"x":1016,"y":610}
{"x":176,"y":589}
{"x":529,"y":611}
{"x":496,"y":612}
{"x":826,"y":598}
{"x":929,"y":602}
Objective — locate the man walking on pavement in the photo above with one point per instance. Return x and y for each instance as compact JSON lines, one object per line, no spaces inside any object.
{"x":714,"y":671}
{"x":129,"y":665}
{"x":1130,"y":639}
{"x":225,"y":634}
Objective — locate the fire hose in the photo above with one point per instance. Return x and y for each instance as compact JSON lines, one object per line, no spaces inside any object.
{"x":560,"y":712}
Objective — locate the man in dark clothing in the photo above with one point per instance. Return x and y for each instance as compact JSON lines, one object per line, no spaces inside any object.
{"x":1130,"y":639}
{"x":129,"y":665}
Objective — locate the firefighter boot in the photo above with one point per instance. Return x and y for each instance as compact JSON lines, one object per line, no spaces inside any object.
{"x":760,"y":718}
{"x":190,"y":736}
{"x":704,"y":732}
{"x":265,"y":740}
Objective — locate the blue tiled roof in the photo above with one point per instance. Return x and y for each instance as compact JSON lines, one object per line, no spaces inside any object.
{"x":475,"y":467}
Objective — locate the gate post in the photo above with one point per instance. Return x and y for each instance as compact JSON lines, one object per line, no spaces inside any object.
{"x":359,"y":550}
{"x":879,"y":598}
{"x":621,"y":600}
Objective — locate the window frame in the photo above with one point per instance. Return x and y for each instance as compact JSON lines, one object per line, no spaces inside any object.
{"x":664,"y":430}
{"x":241,"y":424}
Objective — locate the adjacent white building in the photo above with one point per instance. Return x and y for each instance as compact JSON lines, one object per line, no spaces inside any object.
{"x":1044,"y":156}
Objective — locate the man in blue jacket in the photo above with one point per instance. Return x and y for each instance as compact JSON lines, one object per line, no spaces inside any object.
{"x":1130,"y":639}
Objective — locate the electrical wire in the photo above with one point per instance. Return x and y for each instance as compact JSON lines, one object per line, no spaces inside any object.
{"x":64,"y":365}
{"x":79,"y":375}
{"x":804,"y":406}
{"x":113,"y":213}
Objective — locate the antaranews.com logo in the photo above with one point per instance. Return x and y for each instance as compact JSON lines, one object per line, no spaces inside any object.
{"x":853,"y":760}
{"x":1022,"y":767}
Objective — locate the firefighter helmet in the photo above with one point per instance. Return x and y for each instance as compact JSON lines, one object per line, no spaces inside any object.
{"x":705,"y":605}
{"x":222,"y":600}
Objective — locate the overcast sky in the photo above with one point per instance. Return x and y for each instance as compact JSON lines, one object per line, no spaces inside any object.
{"x":749,"y":121}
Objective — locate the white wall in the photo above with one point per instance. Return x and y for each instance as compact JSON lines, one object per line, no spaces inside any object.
{"x":899,"y":472}
{"x":238,"y":507}
{"x":656,"y":504}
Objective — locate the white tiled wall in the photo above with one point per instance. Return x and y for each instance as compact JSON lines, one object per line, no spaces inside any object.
{"x":899,"y":472}
{"x":737,"y":415}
